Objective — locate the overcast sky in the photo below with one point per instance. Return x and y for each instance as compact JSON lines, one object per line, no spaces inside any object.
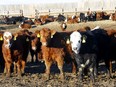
{"x":34,"y":1}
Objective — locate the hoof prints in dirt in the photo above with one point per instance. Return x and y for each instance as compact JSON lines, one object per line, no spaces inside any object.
{"x":35,"y":77}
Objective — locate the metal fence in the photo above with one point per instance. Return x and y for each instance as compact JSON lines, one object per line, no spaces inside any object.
{"x":56,"y":8}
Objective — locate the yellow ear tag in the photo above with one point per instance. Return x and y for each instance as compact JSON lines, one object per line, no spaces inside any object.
{"x":38,"y":35}
{"x":52,"y":36}
{"x":1,"y":38}
{"x":15,"y":38}
{"x":68,"y":41}
{"x":84,"y":39}
{"x":27,"y":39}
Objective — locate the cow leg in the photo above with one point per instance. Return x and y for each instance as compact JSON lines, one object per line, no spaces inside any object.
{"x":80,"y":74}
{"x":19,"y":68}
{"x":60,"y":63}
{"x":108,"y":70}
{"x":74,"y":67}
{"x":48,"y":65}
{"x":7,"y":68}
{"x":23,"y":63}
{"x":5,"y":71}
{"x":110,"y":66}
{"x":91,"y":69}
{"x":15,"y":66}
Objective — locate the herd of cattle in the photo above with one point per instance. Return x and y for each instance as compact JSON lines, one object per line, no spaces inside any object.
{"x":84,"y":48}
{"x":43,"y":19}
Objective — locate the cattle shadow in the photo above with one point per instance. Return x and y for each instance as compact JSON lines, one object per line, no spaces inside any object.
{"x":38,"y":67}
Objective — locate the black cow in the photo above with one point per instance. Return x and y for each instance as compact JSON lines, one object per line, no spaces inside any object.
{"x":84,"y":48}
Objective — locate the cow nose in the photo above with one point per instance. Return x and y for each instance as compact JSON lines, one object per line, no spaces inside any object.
{"x":34,"y":48}
{"x":74,"y":48}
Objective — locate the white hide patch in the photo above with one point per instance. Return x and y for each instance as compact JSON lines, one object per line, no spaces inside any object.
{"x":75,"y":39}
{"x":7,"y":34}
{"x":64,"y":25}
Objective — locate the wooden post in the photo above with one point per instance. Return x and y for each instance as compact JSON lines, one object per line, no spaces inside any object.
{"x":7,"y":13}
{"x":62,"y":11}
{"x":102,"y":9}
{"x":21,"y":13}
{"x":36,"y":14}
{"x":75,"y":11}
{"x":49,"y":11}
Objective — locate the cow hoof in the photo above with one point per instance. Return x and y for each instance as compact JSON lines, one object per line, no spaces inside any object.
{"x":47,"y":76}
{"x":62,"y":76}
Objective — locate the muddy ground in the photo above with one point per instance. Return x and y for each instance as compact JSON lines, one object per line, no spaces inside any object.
{"x":34,"y":72}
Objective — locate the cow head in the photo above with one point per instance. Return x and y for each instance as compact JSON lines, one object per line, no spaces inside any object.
{"x":34,"y":41}
{"x":75,"y":39}
{"x":7,"y":36}
{"x":46,"y":35}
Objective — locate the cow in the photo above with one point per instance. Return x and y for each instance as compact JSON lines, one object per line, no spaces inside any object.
{"x":103,"y":42}
{"x":84,"y":50}
{"x":37,"y":22}
{"x":46,"y":19}
{"x":54,"y":45}
{"x":113,"y":16}
{"x":1,"y":55}
{"x":15,"y":50}
{"x":60,"y":18}
{"x":72,"y":20}
{"x":112,"y":48}
{"x":24,"y":25}
{"x":35,"y":46}
{"x":9,"y":21}
{"x":7,"y":36}
{"x":51,"y":54}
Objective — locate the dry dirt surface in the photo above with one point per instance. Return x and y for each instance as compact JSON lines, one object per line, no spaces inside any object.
{"x":34,"y":72}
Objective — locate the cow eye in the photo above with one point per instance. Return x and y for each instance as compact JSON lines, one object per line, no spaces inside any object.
{"x":79,"y":41}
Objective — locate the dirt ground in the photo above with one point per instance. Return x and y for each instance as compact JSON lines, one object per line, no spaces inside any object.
{"x":34,"y":72}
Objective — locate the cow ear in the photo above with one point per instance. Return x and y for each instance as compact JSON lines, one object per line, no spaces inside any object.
{"x":52,"y":33}
{"x":37,"y":33}
{"x":15,"y":36}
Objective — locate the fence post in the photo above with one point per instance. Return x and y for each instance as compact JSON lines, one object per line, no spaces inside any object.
{"x":75,"y":11}
{"x":21,"y":12}
{"x":36,"y":14}
{"x":62,"y":11}
{"x":7,"y":13}
{"x":102,"y":9}
{"x":49,"y":11}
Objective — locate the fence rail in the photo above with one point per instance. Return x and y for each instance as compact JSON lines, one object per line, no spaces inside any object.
{"x":37,"y":13}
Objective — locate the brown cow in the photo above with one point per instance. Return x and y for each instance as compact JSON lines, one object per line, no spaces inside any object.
{"x":46,"y":18}
{"x":25,"y":26}
{"x":37,"y":22}
{"x":113,"y":16}
{"x":35,"y":46}
{"x":72,"y":20}
{"x":7,"y":36}
{"x":15,"y":50}
{"x":112,"y":47}
{"x":55,"y":43}
{"x":51,"y":54}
